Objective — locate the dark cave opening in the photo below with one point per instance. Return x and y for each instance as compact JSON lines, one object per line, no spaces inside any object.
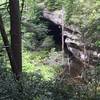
{"x":55,"y":31}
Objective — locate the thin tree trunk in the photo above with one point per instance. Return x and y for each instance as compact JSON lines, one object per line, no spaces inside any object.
{"x":8,"y":49}
{"x":15,"y":20}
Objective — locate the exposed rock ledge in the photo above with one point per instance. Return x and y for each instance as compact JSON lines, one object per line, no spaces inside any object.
{"x":75,"y":45}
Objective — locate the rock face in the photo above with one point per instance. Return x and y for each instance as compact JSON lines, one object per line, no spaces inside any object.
{"x":81,"y":54}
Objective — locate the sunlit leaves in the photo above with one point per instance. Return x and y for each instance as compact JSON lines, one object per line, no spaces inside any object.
{"x":97,"y":43}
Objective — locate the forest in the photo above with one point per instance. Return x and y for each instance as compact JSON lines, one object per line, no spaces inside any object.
{"x":49,"y":49}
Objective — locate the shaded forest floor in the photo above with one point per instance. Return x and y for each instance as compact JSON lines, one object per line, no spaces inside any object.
{"x":39,"y":81}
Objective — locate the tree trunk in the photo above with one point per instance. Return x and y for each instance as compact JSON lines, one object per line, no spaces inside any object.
{"x":15,"y":20}
{"x":8,"y":49}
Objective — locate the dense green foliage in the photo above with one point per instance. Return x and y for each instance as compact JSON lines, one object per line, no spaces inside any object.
{"x":80,"y":12}
{"x":39,"y":80}
{"x":33,"y":87}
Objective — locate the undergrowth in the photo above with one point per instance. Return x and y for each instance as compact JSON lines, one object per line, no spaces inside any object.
{"x":38,"y":82}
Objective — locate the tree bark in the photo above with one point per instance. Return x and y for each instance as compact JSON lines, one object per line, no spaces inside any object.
{"x":15,"y":20}
{"x":8,"y":49}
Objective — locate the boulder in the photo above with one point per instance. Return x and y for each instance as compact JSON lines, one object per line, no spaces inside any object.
{"x":83,"y":54}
